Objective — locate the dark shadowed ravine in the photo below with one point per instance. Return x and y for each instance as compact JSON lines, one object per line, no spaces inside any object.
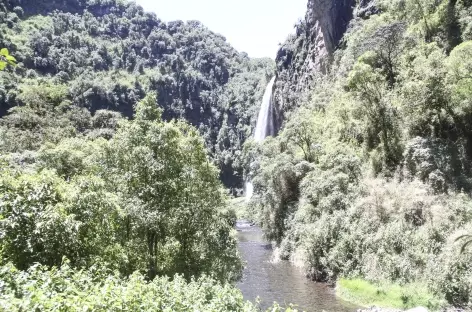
{"x":280,"y":281}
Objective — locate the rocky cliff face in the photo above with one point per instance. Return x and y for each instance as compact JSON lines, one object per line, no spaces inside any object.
{"x":309,"y":52}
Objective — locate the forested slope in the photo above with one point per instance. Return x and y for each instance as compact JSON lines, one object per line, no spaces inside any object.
{"x":116,"y":130}
{"x":370,"y":176}
{"x":108,"y":55}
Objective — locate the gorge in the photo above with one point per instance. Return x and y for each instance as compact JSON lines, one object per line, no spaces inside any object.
{"x":126,"y":141}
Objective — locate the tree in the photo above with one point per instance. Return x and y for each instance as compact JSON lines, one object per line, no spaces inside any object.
{"x":424,"y":93}
{"x":305,"y":130}
{"x":46,"y":114}
{"x":387,"y":43}
{"x":110,"y":53}
{"x":172,"y":196}
{"x":459,"y":64}
{"x":147,"y":200}
{"x":370,"y":88}
{"x":419,"y":12}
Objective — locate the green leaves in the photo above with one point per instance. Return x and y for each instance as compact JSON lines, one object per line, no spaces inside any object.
{"x":147,"y":200}
{"x":147,"y":109}
{"x":6,"y":59}
{"x":95,"y":289}
{"x":459,"y":64}
{"x":162,"y":171}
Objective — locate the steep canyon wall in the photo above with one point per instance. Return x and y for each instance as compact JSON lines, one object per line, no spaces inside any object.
{"x":309,"y":52}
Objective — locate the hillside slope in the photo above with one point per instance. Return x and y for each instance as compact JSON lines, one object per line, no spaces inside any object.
{"x":109,"y":54}
{"x":370,"y":176}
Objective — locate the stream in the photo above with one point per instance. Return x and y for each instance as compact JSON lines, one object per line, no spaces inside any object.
{"x":280,"y":281}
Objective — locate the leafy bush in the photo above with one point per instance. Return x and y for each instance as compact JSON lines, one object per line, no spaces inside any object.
{"x":381,"y":231}
{"x":95,"y":289}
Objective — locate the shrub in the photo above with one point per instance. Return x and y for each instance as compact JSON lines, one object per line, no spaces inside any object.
{"x":94,"y":289}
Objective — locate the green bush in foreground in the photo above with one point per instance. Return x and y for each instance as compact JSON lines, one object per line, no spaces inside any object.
{"x":65,"y":289}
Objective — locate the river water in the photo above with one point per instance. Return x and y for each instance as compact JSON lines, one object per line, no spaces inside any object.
{"x":280,"y":281}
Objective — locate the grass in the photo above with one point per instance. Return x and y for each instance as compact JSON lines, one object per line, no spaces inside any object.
{"x":387,"y":295}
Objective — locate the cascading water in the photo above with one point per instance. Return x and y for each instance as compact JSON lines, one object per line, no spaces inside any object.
{"x":265,"y":120}
{"x":264,"y":126}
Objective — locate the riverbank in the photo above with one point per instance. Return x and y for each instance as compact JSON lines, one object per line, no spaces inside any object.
{"x":388,"y":297}
{"x":279,"y":281}
{"x":384,"y":297}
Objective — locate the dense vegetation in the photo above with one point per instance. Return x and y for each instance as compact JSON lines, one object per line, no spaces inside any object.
{"x":98,"y":55}
{"x":112,"y":124}
{"x":97,"y":290}
{"x":101,"y":224}
{"x":370,"y":177}
{"x":116,"y":129}
{"x":131,"y":202}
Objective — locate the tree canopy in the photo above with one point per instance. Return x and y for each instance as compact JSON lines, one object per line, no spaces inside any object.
{"x":147,"y":200}
{"x":111,"y":53}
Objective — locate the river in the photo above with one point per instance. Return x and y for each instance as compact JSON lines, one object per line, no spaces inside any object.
{"x":280,"y":281}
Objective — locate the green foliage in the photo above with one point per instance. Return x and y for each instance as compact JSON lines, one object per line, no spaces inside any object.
{"x":139,"y":198}
{"x":48,"y":115}
{"x":147,"y":200}
{"x":304,"y":131}
{"x":425,"y":97}
{"x":437,"y":110}
{"x":421,"y":13}
{"x":180,"y":227}
{"x":33,"y":225}
{"x":98,"y":290}
{"x":110,"y":54}
{"x":277,"y":181}
{"x":460,"y":75}
{"x":370,"y":176}
{"x":387,"y":295}
{"x":46,"y":218}
{"x":453,"y":273}
{"x":380,"y":116}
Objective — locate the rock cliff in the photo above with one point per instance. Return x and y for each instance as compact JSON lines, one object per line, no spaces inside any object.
{"x":309,"y":52}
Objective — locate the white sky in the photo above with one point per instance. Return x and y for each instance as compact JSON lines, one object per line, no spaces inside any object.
{"x":253,"y":26}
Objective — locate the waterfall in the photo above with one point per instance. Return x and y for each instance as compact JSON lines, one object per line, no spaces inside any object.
{"x":264,"y":127}
{"x":265,"y":120}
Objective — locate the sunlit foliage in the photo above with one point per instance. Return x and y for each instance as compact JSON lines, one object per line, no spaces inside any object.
{"x":370,"y":176}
